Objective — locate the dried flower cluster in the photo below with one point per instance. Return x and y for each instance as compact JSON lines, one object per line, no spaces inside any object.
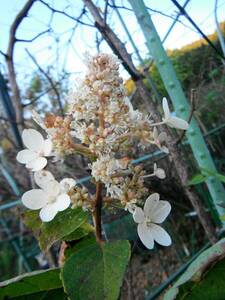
{"x":102,"y":119}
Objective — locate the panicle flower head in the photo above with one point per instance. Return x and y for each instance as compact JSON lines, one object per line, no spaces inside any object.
{"x":102,"y":118}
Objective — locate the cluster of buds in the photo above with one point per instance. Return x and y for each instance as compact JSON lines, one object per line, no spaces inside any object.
{"x":80,"y":198}
{"x":102,"y":119}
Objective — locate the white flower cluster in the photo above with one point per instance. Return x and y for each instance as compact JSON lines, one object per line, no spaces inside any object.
{"x":103,"y":119}
{"x":52,"y":196}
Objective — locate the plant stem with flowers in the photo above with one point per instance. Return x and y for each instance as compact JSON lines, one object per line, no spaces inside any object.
{"x":102,"y":118}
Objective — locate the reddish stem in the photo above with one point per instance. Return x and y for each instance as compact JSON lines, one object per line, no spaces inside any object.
{"x":97,"y":213}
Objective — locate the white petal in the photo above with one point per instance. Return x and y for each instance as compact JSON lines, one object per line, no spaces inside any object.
{"x":160,"y":235}
{"x":42,"y":178}
{"x":138,"y":215}
{"x":130,"y":207}
{"x":34,"y":199}
{"x":47,"y":147}
{"x":62,"y":202}
{"x":66,"y":184}
{"x":37,"y":164}
{"x":166,"y":108}
{"x":32,"y":139}
{"x":160,"y":212}
{"x":24,"y":156}
{"x":160,"y":173}
{"x":52,"y":188}
{"x":145,"y":235}
{"x":178,"y":123}
{"x":48,"y":213}
{"x":150,"y":204}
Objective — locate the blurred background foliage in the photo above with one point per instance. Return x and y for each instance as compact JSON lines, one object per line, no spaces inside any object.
{"x":197,"y":67}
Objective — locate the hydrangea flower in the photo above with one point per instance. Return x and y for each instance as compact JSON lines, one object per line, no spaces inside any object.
{"x":171,"y":120}
{"x":154,"y":213}
{"x":159,"y":172}
{"x":52,"y":196}
{"x":37,"y":148}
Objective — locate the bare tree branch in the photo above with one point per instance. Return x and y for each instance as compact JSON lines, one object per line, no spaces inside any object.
{"x":10,"y":63}
{"x":44,"y":93}
{"x":34,"y":38}
{"x":53,"y":85}
{"x":205,"y":37}
{"x":66,"y":14}
{"x":113,"y":41}
{"x":2,"y":53}
{"x":154,"y":11}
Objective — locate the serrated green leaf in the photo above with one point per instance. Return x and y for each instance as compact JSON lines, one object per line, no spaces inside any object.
{"x":96,"y":271}
{"x":204,"y":278}
{"x":63,"y":224}
{"x":197,"y":179}
{"x":30,"y":283}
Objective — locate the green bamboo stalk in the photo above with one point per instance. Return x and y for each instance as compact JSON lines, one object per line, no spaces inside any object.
{"x":181,"y":105}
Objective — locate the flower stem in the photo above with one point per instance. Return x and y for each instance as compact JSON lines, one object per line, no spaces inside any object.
{"x":97,"y":212}
{"x":157,"y":124}
{"x":83,"y":150}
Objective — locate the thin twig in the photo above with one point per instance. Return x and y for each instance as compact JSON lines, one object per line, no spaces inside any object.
{"x":34,"y":38}
{"x":155,"y":11}
{"x":66,"y":14}
{"x":44,"y":93}
{"x":113,"y":40}
{"x":2,"y":53}
{"x":53,"y":85}
{"x":205,"y":37}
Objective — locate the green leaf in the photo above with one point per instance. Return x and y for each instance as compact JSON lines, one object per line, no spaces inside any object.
{"x":79,"y":233}
{"x":30,"y":283}
{"x":57,"y":294}
{"x":96,"y":271}
{"x":220,"y":177}
{"x":222,"y":218}
{"x":198,"y":178}
{"x":62,"y":225}
{"x":32,"y":220}
{"x":85,"y":242}
{"x":204,"y":278}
